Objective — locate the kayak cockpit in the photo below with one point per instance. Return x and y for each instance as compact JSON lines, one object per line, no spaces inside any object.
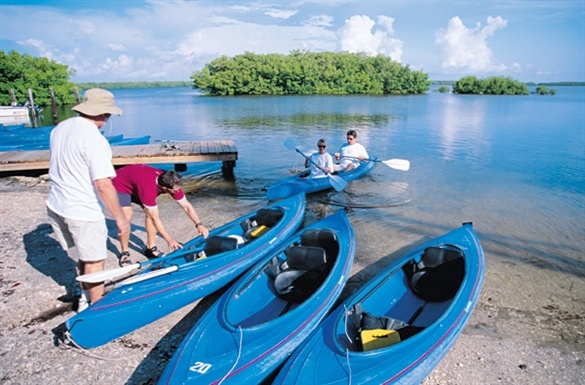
{"x":412,"y":299}
{"x":233,"y":237}
{"x":291,"y":277}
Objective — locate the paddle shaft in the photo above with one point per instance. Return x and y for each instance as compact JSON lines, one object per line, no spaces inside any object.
{"x":308,"y":158}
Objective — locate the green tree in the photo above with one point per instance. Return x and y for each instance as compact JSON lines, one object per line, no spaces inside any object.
{"x":443,"y":89}
{"x":21,"y":72}
{"x":305,"y":72}
{"x":544,"y":90}
{"x":495,"y":85}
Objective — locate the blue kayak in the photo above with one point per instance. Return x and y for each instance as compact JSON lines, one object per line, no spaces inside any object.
{"x":302,"y":182}
{"x":253,"y":327}
{"x":398,"y":326}
{"x":166,"y":284}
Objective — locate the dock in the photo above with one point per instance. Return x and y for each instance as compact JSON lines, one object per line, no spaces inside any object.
{"x":178,"y":153}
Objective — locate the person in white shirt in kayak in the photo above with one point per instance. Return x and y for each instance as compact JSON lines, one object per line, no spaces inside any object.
{"x":350,"y":154}
{"x":321,"y":162}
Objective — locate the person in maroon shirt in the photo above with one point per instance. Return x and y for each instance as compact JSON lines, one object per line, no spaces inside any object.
{"x":142,"y":184}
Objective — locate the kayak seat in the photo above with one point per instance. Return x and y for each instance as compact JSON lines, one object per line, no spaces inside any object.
{"x":269,"y":217}
{"x":325,"y":239}
{"x":439,"y":273}
{"x":257,"y":225}
{"x":216,"y":244}
{"x":301,"y":273}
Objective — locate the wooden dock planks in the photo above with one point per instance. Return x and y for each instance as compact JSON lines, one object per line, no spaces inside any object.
{"x":163,"y":152}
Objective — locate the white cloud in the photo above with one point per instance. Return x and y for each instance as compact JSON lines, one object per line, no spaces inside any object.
{"x":280,"y":13}
{"x":319,"y":21}
{"x":43,"y":49}
{"x":467,"y":49}
{"x":116,"y":47}
{"x":359,"y":35}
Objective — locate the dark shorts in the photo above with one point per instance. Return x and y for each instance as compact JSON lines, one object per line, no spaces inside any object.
{"x":126,"y":200}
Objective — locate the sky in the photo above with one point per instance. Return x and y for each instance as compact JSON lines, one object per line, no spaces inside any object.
{"x":153,"y":40}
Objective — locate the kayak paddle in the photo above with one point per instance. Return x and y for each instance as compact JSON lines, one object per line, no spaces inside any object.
{"x":337,"y":182}
{"x":398,"y":164}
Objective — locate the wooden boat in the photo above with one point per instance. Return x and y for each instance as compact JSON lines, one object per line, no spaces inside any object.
{"x":398,"y":326}
{"x":253,"y":327}
{"x":166,"y":284}
{"x":302,"y":182}
{"x":14,"y":115}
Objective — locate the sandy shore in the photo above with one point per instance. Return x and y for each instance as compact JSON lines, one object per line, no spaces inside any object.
{"x":520,"y":332}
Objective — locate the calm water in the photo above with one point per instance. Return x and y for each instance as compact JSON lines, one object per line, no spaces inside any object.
{"x":513,"y":165}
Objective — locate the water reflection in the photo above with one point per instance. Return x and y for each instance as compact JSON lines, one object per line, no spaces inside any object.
{"x":462,"y":128}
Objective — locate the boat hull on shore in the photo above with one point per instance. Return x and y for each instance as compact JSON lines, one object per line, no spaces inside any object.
{"x":255,"y":325}
{"x":333,"y":355}
{"x":166,"y":284}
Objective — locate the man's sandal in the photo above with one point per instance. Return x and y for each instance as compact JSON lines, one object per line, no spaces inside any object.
{"x":124,"y":259}
{"x":153,"y":252}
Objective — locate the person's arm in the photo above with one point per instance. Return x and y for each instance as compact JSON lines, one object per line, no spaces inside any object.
{"x":364,"y":155}
{"x":329,"y":166}
{"x":109,"y":197}
{"x":153,"y":214}
{"x":192,"y":214}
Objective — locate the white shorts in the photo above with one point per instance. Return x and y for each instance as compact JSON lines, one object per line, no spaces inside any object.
{"x":343,"y":165}
{"x":89,"y":237}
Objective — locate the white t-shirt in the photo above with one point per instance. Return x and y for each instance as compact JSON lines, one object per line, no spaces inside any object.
{"x":324,"y":160}
{"x":79,"y":155}
{"x":353,"y":151}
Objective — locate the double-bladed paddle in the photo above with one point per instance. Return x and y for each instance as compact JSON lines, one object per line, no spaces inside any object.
{"x":397,"y":164}
{"x":338,"y":183}
{"x":107,"y":275}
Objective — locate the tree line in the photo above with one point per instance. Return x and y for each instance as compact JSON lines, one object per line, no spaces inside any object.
{"x":21,"y":72}
{"x":299,"y":73}
{"x":308,"y":73}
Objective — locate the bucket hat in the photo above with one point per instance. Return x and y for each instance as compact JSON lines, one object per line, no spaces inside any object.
{"x":97,"y":101}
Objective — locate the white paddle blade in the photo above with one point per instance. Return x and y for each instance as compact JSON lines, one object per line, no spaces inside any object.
{"x":105,"y":275}
{"x":149,"y":275}
{"x":398,"y":164}
{"x":290,"y":144}
{"x":338,"y":183}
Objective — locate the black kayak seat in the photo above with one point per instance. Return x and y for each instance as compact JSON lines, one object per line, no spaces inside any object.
{"x":216,"y":244}
{"x":439,"y":273}
{"x":257,"y":225}
{"x":301,"y":273}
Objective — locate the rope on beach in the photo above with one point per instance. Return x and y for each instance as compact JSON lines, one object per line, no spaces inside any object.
{"x":237,"y":358}
{"x":86,"y":352}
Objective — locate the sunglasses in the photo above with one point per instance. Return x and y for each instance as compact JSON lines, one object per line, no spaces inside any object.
{"x":322,"y":146}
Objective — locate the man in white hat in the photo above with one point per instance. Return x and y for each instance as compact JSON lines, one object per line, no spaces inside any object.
{"x":80,"y":172}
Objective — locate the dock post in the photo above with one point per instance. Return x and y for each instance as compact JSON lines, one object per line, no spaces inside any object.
{"x":53,"y":106}
{"x":227,"y":168}
{"x":76,"y":92}
{"x":32,"y":109}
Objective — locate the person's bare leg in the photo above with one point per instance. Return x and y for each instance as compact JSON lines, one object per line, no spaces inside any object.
{"x":96,"y":290}
{"x":150,"y":231}
{"x":125,"y":238}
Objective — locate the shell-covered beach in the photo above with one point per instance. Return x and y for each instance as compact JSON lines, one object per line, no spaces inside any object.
{"x":521,"y":332}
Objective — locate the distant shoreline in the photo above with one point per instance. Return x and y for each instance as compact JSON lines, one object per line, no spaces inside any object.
{"x":189,"y":83}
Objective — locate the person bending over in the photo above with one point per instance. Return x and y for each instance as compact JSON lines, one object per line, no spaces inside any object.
{"x":142,"y":184}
